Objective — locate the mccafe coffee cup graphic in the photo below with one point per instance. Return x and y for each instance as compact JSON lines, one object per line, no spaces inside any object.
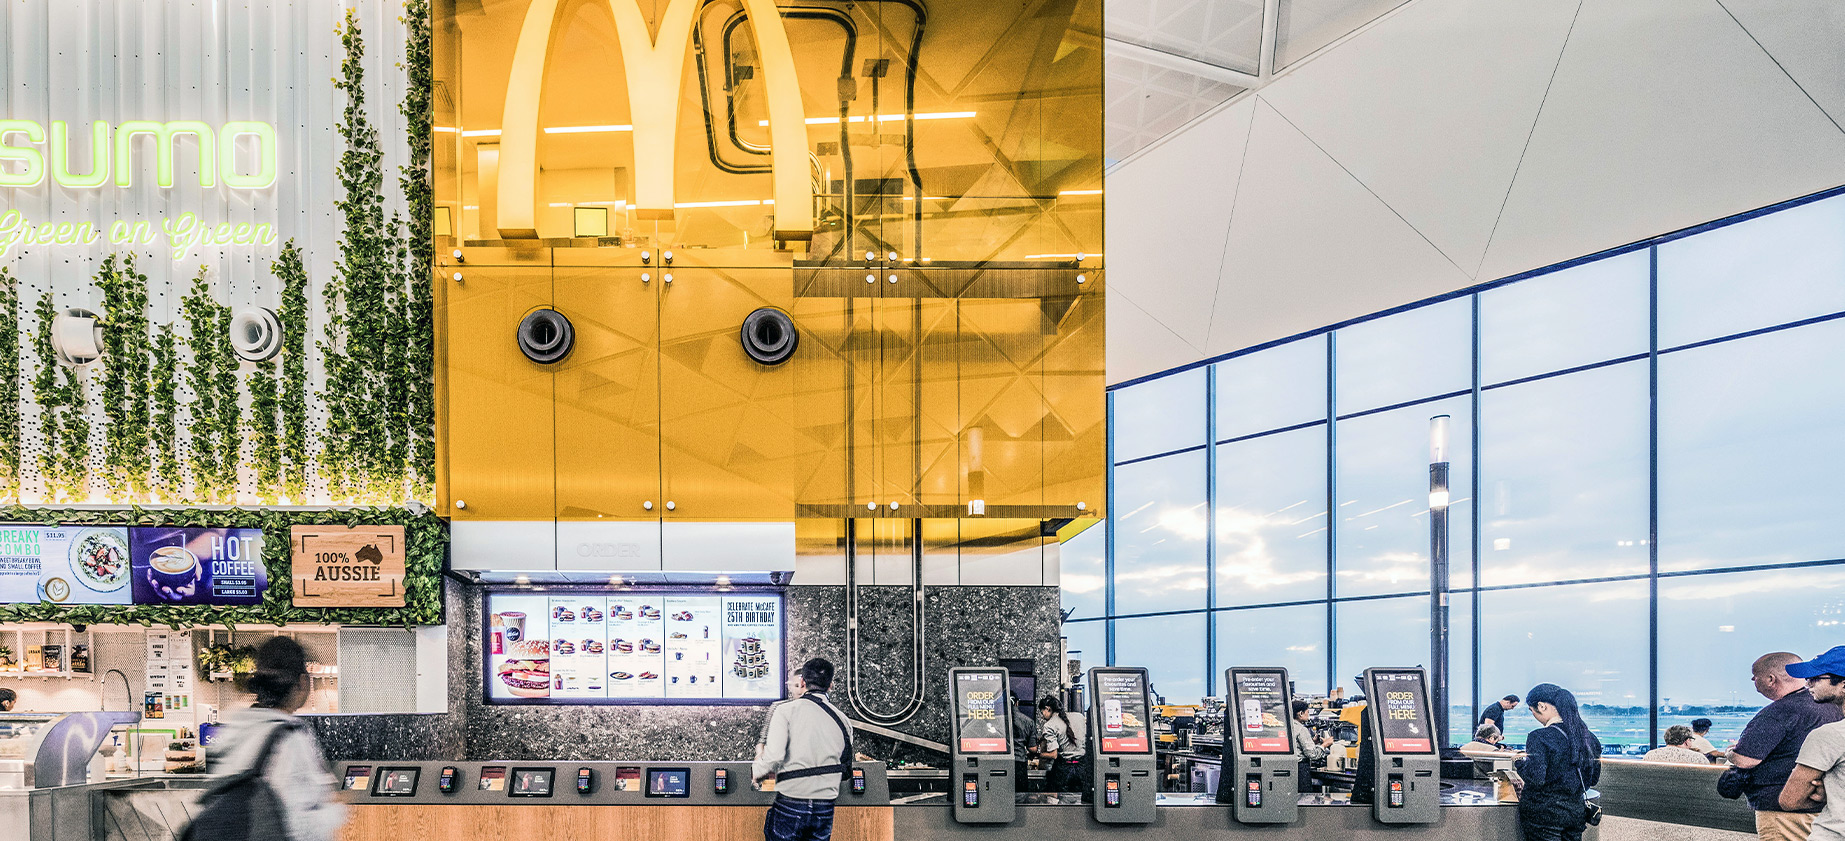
{"x":174,"y":573}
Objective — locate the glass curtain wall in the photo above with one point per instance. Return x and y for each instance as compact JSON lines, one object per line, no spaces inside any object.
{"x":1645,"y":453}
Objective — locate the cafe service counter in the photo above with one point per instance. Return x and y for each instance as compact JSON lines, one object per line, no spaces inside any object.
{"x":681,"y":802}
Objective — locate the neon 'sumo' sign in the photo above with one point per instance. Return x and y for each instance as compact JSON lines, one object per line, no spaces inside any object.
{"x":112,"y":153}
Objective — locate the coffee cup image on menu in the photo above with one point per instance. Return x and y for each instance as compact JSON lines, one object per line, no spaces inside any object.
{"x":174,"y":572}
{"x":526,"y":672}
{"x":512,"y":623}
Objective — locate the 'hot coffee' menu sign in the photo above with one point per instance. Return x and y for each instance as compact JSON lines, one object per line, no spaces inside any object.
{"x":197,"y":566}
{"x":337,"y":566}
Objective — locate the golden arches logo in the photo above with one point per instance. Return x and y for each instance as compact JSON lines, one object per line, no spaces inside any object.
{"x":655,"y":66}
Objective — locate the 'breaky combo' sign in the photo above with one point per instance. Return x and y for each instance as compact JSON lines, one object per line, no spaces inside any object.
{"x":29,"y":154}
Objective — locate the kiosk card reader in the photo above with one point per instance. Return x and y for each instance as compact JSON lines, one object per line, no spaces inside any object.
{"x":1126,"y":777}
{"x":1261,"y":777}
{"x":981,"y":782}
{"x":1407,"y":774}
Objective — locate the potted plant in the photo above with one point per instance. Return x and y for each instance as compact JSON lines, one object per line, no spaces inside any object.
{"x":223,"y":661}
{"x":6,"y":657}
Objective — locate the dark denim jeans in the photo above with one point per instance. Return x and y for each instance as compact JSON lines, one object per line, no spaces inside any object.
{"x":1552,"y":833}
{"x":793,"y":819}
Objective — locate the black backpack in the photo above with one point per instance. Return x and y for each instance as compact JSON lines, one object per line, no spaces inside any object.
{"x":241,"y":807}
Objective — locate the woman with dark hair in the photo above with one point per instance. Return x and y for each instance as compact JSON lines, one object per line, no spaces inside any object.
{"x":294,"y":768}
{"x":1063,"y":750}
{"x":1562,"y":760}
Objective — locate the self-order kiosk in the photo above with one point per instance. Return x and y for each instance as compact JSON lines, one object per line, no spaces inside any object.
{"x":982,"y":783}
{"x":1407,"y":773}
{"x":1260,"y":775}
{"x":1121,"y":731}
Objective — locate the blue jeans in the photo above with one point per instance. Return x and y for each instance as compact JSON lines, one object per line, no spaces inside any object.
{"x":794,"y":819}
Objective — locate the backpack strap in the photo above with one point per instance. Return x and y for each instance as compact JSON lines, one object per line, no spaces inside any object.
{"x":260,"y":763}
{"x":843,"y":767}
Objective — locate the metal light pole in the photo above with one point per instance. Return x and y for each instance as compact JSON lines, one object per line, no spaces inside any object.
{"x":1438,"y":573}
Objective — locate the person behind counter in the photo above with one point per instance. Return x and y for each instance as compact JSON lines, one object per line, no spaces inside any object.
{"x":1486,"y":739}
{"x":808,"y":753}
{"x":1024,"y":743}
{"x":1677,"y":748}
{"x":1562,"y":760}
{"x":1765,"y":755}
{"x":7,"y":699}
{"x":295,"y":769}
{"x":1495,"y":712}
{"x":1700,"y":739}
{"x":1063,"y":736}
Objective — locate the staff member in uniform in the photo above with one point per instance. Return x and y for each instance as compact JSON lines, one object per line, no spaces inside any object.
{"x":808,"y":753}
{"x":1024,"y":743}
{"x":1064,"y":734}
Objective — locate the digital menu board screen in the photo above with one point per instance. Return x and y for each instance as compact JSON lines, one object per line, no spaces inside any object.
{"x":1402,"y":701}
{"x":198,"y":566}
{"x":64,"y":565}
{"x":647,"y":647}
{"x":669,"y":782}
{"x":1121,"y":701}
{"x":981,"y":722}
{"x":1260,"y":700}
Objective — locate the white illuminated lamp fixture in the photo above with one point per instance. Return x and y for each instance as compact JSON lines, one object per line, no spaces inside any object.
{"x":723,"y":582}
{"x":1438,"y":458}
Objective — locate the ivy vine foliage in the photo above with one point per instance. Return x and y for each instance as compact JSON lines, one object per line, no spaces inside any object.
{"x":417,"y":182}
{"x":425,"y":546}
{"x":213,"y":425}
{"x":292,"y":397}
{"x":125,"y":386}
{"x":163,"y":405}
{"x":64,"y":422}
{"x":12,"y":434}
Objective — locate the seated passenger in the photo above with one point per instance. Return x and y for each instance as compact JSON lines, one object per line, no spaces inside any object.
{"x":1677,"y":748}
{"x":1487,"y":740}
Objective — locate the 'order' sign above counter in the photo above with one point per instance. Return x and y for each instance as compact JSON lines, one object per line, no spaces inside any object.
{"x":359,"y":566}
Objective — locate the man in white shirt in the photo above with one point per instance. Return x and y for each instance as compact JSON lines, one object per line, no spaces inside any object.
{"x":808,"y":752}
{"x":1676,"y":748}
{"x":1819,"y":775}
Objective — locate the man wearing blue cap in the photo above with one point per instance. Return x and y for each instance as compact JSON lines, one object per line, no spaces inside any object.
{"x":1770,"y":747}
{"x":1819,"y":776}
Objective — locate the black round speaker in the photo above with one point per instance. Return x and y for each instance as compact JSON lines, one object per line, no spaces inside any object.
{"x":769,"y":336}
{"x":545,"y":336}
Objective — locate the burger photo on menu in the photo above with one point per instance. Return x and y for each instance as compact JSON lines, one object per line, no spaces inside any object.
{"x":563,"y":614}
{"x":649,"y":612}
{"x":592,"y":647}
{"x":564,"y":648}
{"x":649,"y":647}
{"x":590,"y":614}
{"x":526,"y":671}
{"x":619,"y":613}
{"x":622,"y":646}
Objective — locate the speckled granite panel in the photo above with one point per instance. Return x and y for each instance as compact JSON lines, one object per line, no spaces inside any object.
{"x":965,"y":626}
{"x":407,"y":737}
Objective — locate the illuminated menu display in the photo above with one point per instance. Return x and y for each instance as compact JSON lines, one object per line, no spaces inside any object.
{"x":1121,"y":701}
{"x":1260,"y":699}
{"x":634,"y":647}
{"x":980,"y":712}
{"x":1402,"y":701}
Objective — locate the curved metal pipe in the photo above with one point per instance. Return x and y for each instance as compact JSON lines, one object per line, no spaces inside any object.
{"x":918,"y":637}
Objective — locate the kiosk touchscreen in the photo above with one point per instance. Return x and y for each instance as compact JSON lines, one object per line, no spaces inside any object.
{"x":1406,"y":775}
{"x":1121,"y":734}
{"x":1260,"y":781}
{"x":982,"y":783}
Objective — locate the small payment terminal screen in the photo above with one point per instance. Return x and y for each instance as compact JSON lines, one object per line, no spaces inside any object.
{"x":532,"y":782}
{"x":1402,"y":701}
{"x":1121,"y":701}
{"x":981,"y":719}
{"x":395,"y":782}
{"x":669,"y":782}
{"x":358,"y":777}
{"x":1260,"y":698}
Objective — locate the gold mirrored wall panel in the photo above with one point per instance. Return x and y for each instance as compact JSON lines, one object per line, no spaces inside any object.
{"x":730,"y":447}
{"x":1002,"y":405}
{"x":608,"y":390}
{"x":1075,"y":425}
{"x":953,"y":130}
{"x":501,"y":455}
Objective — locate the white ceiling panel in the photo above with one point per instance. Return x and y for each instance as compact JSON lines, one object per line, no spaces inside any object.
{"x":1307,"y":25}
{"x":1168,"y":255}
{"x":1804,"y":37}
{"x":1227,"y":33}
{"x":1431,"y":108}
{"x":1138,"y":344}
{"x":1663,"y":114}
{"x":1146,"y":103}
{"x":1310,"y":246}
